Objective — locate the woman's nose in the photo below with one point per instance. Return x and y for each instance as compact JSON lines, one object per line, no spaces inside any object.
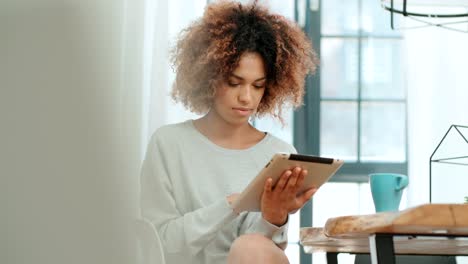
{"x":245,"y":94}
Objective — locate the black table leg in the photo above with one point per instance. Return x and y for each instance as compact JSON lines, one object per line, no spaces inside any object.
{"x":382,"y":249}
{"x":332,"y":258}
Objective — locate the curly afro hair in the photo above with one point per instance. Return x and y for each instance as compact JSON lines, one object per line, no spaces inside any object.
{"x":210,"y":49}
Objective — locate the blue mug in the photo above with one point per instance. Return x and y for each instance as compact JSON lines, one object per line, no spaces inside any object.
{"x":386,"y":189}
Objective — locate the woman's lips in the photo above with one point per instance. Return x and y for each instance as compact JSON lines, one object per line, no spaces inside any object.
{"x":242,"y":111}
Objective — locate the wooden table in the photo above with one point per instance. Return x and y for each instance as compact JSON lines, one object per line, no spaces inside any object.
{"x":430,"y":229}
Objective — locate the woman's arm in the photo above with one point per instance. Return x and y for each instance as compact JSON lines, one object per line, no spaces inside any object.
{"x":179,"y":232}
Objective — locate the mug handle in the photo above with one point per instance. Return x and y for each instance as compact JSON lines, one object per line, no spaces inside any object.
{"x":402,"y":182}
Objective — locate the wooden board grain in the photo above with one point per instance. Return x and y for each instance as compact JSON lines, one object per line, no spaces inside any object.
{"x":423,"y":219}
{"x":425,"y":229}
{"x":315,"y":240}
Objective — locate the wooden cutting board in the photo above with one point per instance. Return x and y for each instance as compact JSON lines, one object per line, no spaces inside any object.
{"x":350,"y":233}
{"x":423,"y":219}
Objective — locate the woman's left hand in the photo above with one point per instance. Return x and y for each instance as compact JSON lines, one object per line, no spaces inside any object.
{"x":283,"y":198}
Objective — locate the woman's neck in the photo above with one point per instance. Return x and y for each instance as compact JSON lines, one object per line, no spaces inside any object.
{"x":224,"y":134}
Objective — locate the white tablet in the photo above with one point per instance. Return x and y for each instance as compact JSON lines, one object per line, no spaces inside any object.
{"x":319,"y":169}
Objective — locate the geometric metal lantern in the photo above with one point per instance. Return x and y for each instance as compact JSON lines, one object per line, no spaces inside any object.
{"x":452,"y":152}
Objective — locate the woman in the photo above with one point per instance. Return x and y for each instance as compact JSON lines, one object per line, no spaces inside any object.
{"x":236,"y":62}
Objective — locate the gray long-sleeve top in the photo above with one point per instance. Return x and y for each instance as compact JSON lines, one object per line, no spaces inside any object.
{"x":184,"y":183}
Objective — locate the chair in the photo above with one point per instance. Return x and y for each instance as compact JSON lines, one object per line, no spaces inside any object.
{"x":149,"y":247}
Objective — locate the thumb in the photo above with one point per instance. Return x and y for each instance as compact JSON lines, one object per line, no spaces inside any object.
{"x":307,"y":195}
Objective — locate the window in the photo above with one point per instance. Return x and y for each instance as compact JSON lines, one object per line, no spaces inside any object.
{"x":355,"y":107}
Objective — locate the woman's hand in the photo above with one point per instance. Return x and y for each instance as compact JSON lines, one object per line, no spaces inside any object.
{"x":232,"y":197}
{"x":283,"y":198}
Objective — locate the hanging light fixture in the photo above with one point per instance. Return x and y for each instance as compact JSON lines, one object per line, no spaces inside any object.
{"x":449,"y":14}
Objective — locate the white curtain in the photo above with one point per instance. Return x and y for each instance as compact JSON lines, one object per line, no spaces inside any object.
{"x":164,"y":20}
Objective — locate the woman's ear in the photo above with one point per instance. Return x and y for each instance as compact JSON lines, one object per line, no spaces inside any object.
{"x":215,"y":84}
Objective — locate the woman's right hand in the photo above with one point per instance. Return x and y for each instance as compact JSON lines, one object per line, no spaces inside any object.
{"x":284,"y":198}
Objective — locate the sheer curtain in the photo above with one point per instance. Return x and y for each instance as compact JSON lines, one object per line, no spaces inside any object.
{"x":163,"y":21}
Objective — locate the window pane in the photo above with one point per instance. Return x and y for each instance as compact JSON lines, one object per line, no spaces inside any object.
{"x":382,"y":76}
{"x":340,"y":17}
{"x":338,"y":130}
{"x":293,"y":228}
{"x":286,"y":8}
{"x":339,"y":68}
{"x":336,"y":199}
{"x":272,"y":125}
{"x":376,"y":20}
{"x":343,"y":258}
{"x":383,"y":132}
{"x":451,"y":177}
{"x":292,"y":252}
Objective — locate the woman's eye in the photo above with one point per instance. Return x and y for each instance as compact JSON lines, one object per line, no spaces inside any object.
{"x":233,"y":84}
{"x":259,"y":86}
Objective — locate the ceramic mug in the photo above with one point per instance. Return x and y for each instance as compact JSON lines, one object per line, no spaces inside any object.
{"x":386,"y":189}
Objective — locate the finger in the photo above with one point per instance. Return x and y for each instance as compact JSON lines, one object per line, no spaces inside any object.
{"x":283,"y":180}
{"x":267,"y":188}
{"x":303,"y":198}
{"x":301,"y":178}
{"x":293,"y":179}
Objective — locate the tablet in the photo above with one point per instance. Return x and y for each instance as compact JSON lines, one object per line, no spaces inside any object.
{"x":319,"y":169}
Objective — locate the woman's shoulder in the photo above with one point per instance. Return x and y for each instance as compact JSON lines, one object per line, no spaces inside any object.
{"x":169,"y":132}
{"x":172,"y":128}
{"x":280,"y":145}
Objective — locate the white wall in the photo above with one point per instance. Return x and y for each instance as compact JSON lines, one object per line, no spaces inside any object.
{"x":70,"y":118}
{"x":437,"y":63}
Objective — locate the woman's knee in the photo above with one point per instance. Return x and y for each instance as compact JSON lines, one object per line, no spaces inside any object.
{"x":257,"y":249}
{"x":251,"y":242}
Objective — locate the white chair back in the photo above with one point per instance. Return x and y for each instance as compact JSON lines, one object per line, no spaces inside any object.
{"x":149,"y":246}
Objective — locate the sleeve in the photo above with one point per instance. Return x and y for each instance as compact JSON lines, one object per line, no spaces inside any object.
{"x":255,"y":223}
{"x":179,"y":232}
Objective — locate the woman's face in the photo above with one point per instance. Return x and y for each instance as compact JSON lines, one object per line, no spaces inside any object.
{"x":238,"y":97}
